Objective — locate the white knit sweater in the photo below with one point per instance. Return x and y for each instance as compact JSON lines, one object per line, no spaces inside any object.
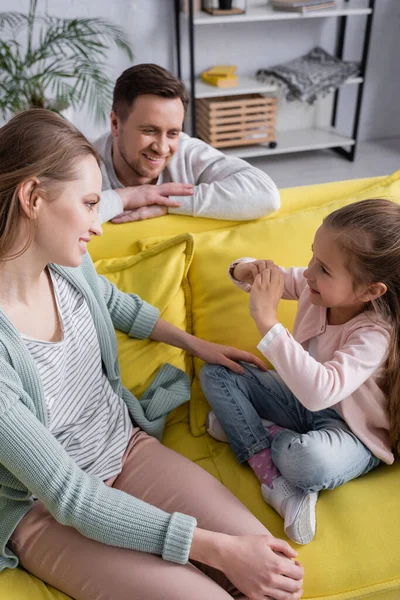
{"x":225,"y":187}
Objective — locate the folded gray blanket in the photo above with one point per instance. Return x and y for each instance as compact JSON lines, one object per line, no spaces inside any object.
{"x":311,"y":76}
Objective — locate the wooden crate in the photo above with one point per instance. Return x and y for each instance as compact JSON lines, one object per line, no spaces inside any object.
{"x":236,"y":120}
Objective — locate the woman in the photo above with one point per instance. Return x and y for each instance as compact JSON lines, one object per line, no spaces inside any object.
{"x":89,"y":501}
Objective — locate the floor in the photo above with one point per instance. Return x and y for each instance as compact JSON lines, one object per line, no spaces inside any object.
{"x":374,"y":158}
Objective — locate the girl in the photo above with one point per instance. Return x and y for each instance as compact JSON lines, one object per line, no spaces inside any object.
{"x":332,"y":402}
{"x":89,"y":502}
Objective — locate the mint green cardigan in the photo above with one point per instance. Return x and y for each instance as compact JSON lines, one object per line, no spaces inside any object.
{"x":32,"y":462}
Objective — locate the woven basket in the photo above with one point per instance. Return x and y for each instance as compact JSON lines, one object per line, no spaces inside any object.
{"x":236,"y":120}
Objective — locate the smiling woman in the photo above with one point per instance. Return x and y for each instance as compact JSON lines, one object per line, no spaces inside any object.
{"x":49,"y":185}
{"x":34,"y":142}
{"x":83,"y":476}
{"x":64,"y":226}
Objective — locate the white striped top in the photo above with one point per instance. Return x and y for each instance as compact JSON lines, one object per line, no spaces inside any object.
{"x":84,"y":414}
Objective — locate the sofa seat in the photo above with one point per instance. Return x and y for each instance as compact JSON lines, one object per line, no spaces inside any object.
{"x":356,"y":551}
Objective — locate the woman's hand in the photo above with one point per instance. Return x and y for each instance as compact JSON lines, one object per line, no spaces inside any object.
{"x":247,"y":271}
{"x":214,"y":354}
{"x":260,"y":566}
{"x":217,"y":354}
{"x":265,"y":295}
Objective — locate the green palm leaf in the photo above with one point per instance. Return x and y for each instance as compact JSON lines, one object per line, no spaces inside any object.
{"x":12,"y":20}
{"x":63,"y":63}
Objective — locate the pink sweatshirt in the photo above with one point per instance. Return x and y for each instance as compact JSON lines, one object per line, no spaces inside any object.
{"x":348,"y":363}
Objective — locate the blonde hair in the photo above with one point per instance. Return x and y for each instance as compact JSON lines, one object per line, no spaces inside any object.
{"x":369,"y":234}
{"x":36,"y":143}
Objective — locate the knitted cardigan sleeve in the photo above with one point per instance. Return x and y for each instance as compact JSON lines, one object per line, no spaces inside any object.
{"x":74,"y":498}
{"x":129,"y":313}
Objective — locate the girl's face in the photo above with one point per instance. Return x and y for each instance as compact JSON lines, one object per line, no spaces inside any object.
{"x":65,"y":225}
{"x":330,"y":283}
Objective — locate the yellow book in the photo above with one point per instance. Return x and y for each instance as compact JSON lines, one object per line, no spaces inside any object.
{"x":221,"y":70}
{"x":222,"y":82}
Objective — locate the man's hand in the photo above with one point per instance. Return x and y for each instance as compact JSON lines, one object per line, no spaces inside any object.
{"x":141,"y":214}
{"x":148,"y":201}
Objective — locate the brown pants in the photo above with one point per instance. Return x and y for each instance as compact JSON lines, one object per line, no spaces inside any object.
{"x":88,"y":570}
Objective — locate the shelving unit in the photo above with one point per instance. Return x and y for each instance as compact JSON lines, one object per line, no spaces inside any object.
{"x":263,"y":12}
{"x":246,"y":85}
{"x":298,"y":140}
{"x":288,"y":141}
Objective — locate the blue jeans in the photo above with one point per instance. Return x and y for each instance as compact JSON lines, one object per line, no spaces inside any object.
{"x":316,"y":450}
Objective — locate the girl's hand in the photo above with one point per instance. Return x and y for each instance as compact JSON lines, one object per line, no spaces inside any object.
{"x":265,"y":295}
{"x":247,"y":271}
{"x":260,"y":566}
{"x":216,"y":354}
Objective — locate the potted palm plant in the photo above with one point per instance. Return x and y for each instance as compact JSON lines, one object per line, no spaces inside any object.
{"x":54,"y":63}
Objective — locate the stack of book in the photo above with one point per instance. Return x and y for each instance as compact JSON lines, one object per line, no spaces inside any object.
{"x":302,"y":6}
{"x":223,"y":76}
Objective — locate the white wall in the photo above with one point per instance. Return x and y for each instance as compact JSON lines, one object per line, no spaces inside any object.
{"x":381,"y":107}
{"x":150,"y":26}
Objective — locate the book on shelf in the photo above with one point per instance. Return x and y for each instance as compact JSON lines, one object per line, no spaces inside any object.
{"x":221,"y":70}
{"x":222,"y":76}
{"x":302,"y":5}
{"x":221,"y":82}
{"x":299,"y":3}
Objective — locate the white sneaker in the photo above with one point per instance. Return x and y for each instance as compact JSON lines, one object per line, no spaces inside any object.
{"x":214,"y":428}
{"x":295,"y":506}
{"x":267,"y":423}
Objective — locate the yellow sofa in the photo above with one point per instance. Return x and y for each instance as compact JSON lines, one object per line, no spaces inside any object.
{"x":180,"y":264}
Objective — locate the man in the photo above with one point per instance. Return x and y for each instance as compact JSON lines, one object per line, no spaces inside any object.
{"x":150,"y":167}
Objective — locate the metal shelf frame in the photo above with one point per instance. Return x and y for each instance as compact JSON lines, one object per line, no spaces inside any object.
{"x":350,"y":153}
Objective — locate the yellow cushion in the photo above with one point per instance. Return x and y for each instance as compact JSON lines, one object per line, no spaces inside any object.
{"x":159,"y":276}
{"x":311,"y":196}
{"x":122,"y":240}
{"x":17,"y":584}
{"x":220,"y":310}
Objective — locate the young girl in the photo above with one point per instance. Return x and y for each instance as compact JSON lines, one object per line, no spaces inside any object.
{"x":89,"y":502}
{"x":332,"y":402}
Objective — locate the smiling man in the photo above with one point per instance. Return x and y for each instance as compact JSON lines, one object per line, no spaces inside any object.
{"x":150,"y":167}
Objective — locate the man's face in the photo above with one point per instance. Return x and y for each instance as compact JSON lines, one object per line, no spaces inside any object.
{"x":148,"y":138}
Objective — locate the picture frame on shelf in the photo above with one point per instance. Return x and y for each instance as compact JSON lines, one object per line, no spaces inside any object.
{"x":224,"y":7}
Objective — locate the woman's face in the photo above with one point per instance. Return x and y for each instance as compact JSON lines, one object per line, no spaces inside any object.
{"x":65,"y":225}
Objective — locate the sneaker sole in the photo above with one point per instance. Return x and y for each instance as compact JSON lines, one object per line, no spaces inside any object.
{"x":302,"y":529}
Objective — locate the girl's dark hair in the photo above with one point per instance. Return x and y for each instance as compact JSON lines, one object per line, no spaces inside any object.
{"x":36,"y":143}
{"x":145,"y":79}
{"x":369,"y":234}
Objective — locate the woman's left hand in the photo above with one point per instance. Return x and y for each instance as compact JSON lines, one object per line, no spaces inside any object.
{"x":216,"y":354}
